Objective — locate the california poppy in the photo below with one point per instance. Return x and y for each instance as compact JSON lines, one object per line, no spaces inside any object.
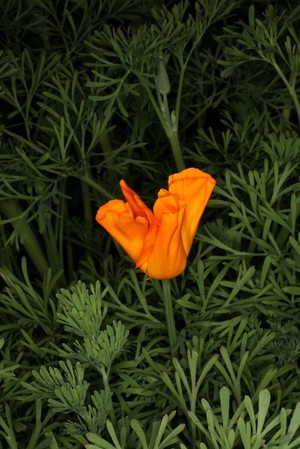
{"x":159,"y":242}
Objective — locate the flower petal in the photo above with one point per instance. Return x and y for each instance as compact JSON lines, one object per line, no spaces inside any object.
{"x":118,"y":219}
{"x":193,"y":187}
{"x":168,"y":257}
{"x":138,"y":207}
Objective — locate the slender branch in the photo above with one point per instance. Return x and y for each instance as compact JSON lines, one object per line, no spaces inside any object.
{"x":12,"y":211}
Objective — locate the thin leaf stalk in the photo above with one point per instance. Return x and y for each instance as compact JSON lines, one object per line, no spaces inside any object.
{"x":105,"y":376}
{"x":170,"y":131}
{"x":13,"y":212}
{"x":107,"y":150}
{"x":169,"y":312}
{"x":290,"y":87}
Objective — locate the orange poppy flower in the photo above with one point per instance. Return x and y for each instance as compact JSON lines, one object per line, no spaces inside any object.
{"x":159,"y":242}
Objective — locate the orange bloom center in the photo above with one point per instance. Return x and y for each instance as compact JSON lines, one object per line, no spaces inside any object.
{"x":159,"y":242}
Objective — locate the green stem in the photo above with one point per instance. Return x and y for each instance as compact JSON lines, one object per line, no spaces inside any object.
{"x":291,"y":88}
{"x":170,"y":129}
{"x":168,"y":304}
{"x":107,"y":149}
{"x":173,"y":135}
{"x":105,"y":375}
{"x":176,"y":149}
{"x":13,"y":212}
{"x":96,"y":186}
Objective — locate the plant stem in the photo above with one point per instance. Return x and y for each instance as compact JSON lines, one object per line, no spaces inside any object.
{"x":12,"y":211}
{"x":107,"y":150}
{"x":290,"y":87}
{"x":96,"y":186}
{"x":170,"y":130}
{"x":105,"y":375}
{"x":168,"y":304}
{"x":176,"y":149}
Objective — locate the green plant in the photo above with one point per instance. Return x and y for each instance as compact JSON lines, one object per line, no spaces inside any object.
{"x":92,"y":92}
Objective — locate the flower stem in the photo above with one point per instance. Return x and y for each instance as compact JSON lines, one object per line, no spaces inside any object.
{"x":177,"y":152}
{"x":168,"y":304}
{"x":169,"y":127}
{"x":12,"y":210}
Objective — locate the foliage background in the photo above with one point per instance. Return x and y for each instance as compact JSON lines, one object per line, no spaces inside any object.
{"x":95,"y":91}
